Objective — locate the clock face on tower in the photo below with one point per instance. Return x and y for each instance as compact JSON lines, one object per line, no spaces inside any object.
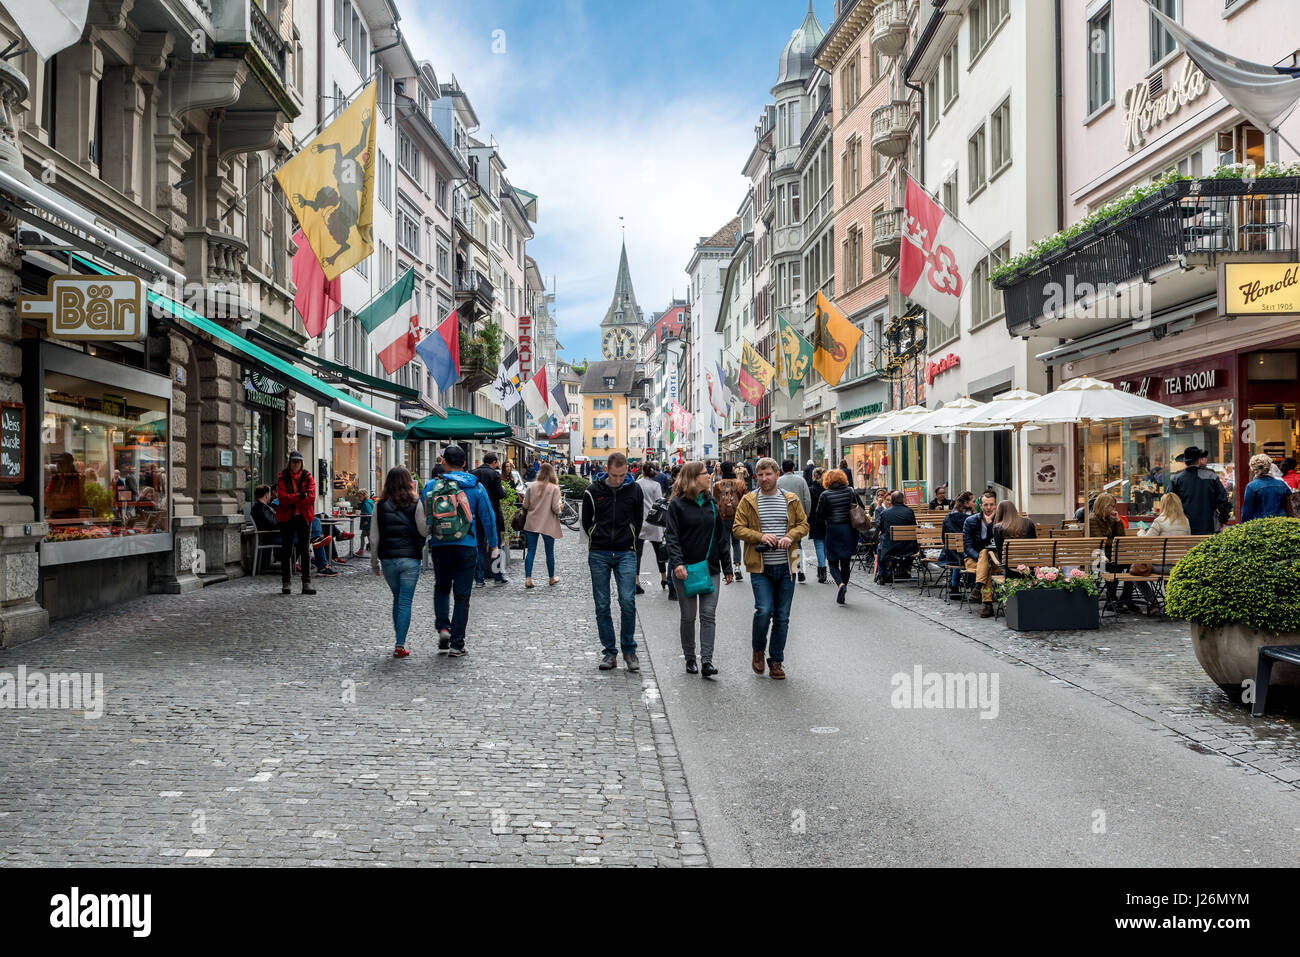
{"x":618,"y":344}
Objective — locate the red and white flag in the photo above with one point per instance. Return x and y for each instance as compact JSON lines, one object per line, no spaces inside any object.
{"x":938,"y":254}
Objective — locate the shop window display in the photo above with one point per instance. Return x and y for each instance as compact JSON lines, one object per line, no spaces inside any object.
{"x":104,"y":461}
{"x":1136,"y":459}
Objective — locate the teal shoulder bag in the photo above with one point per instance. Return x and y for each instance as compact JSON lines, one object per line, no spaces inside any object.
{"x":698,"y":581}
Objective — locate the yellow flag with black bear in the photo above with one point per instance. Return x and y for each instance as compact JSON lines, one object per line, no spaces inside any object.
{"x":836,"y":338}
{"x":330,"y":186}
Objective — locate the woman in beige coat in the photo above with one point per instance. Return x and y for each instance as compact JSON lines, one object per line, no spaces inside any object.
{"x":544,"y":505}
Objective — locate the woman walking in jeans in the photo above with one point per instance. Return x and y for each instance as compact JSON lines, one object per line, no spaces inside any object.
{"x":695,"y":533}
{"x":397,"y":535}
{"x":542,"y":500}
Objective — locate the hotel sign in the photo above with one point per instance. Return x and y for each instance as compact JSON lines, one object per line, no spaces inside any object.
{"x":104,"y":308}
{"x":1142,"y":112}
{"x":1259,"y":289}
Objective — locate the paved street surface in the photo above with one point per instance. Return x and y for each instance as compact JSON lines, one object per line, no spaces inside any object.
{"x":243,"y":727}
{"x":1101,"y":752}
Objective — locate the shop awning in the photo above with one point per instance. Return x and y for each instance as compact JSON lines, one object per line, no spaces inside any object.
{"x":457,"y":425}
{"x":357,"y":378}
{"x":189,"y":323}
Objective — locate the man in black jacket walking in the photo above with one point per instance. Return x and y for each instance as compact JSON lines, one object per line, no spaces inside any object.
{"x":1203,"y":495}
{"x":611,"y":516}
{"x":490,"y":479}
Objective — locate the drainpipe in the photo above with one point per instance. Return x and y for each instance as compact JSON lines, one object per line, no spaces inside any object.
{"x":1060,"y":133}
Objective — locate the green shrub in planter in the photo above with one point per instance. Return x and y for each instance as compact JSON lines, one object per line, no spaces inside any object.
{"x":573,"y":485}
{"x":1246,"y":575}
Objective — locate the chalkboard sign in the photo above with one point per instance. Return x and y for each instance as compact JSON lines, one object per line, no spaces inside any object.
{"x":13,"y":441}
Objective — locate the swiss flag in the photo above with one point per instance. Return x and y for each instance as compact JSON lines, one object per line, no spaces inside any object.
{"x":937,"y":256}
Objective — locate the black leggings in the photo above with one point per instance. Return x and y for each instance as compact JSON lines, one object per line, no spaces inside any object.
{"x":296,"y":529}
{"x":840,"y":569}
{"x":661,"y":556}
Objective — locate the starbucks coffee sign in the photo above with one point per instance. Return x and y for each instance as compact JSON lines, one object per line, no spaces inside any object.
{"x":1143,"y":112}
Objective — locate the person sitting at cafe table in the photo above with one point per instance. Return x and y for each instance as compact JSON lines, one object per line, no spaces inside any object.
{"x":953,"y":524}
{"x":940,"y":500}
{"x":1171,"y":520}
{"x":977,"y":540}
{"x":1104,"y":522}
{"x":894,"y":559}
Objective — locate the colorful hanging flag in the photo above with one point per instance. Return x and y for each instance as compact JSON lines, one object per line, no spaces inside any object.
{"x":393,"y":323}
{"x":505,"y":388}
{"x":316,"y":298}
{"x":330,"y":186}
{"x":836,"y":338}
{"x":561,"y":400}
{"x":728,"y":393}
{"x":440,"y":352}
{"x":796,"y":354}
{"x":937,"y":257}
{"x":755,"y":375}
{"x":536,"y":397}
{"x":717,"y":399}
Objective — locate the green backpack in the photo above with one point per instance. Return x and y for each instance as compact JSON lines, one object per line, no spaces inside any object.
{"x":448,"y":511}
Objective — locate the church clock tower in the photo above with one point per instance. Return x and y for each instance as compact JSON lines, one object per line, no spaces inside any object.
{"x":624,"y":323}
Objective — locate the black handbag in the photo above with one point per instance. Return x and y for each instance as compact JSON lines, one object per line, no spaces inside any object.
{"x":658,"y":514}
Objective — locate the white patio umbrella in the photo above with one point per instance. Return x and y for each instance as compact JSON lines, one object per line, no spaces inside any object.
{"x":948,"y":418}
{"x":880,"y":425}
{"x":1082,"y":401}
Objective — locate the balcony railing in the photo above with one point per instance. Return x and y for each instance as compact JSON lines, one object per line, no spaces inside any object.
{"x":887,"y":231}
{"x":267,"y":41}
{"x":890,"y":134}
{"x":889,"y":28}
{"x":810,"y":128}
{"x":1196,"y":222}
{"x":818,"y":211}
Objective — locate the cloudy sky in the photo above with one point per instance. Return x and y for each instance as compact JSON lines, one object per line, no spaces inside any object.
{"x":609,"y":108}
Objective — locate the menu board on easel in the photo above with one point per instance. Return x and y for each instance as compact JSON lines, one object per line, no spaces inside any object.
{"x":13,"y":441}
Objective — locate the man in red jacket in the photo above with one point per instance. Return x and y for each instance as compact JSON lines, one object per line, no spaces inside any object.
{"x":296,"y":504}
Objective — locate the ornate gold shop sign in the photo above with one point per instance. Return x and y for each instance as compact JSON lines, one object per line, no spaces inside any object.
{"x":1142,"y":111}
{"x":90,"y":307}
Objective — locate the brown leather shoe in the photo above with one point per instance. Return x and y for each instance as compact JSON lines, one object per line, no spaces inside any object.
{"x":777,"y":671}
{"x":987,"y":610}
{"x":760,"y":662}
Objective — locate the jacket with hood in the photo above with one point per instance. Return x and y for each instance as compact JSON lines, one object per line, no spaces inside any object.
{"x":479,"y":504}
{"x":612,"y":517}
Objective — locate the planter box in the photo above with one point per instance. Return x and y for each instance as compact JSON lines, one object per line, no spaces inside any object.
{"x":1051,"y":609}
{"x":1230,"y":653}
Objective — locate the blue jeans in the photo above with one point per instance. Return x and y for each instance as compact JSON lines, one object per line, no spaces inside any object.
{"x":623,"y":567}
{"x":820,"y":545}
{"x":529,"y":555}
{"x":736,"y":544}
{"x":402,"y":574}
{"x":453,"y":573}
{"x":320,"y":559}
{"x":773,"y":592}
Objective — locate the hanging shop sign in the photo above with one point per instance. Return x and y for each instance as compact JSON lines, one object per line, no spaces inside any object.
{"x":259,"y":390}
{"x":102,"y":308}
{"x":934,"y":369}
{"x":1259,"y":289}
{"x":525,"y":345}
{"x":1142,"y":112}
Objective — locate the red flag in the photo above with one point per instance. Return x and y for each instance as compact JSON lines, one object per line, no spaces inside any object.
{"x":316,"y":298}
{"x":938,"y":254}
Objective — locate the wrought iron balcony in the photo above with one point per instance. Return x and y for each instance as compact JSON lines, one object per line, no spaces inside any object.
{"x":887,"y":231}
{"x":890,"y":128}
{"x":889,"y":28}
{"x":1193,"y":223}
{"x":475,"y":294}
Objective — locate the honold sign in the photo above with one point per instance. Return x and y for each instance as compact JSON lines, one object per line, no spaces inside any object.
{"x":1143,"y":112}
{"x":90,"y":307}
{"x":1259,"y":289}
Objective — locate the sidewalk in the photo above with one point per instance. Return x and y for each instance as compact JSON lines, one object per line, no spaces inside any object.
{"x":1144,"y":665}
{"x":245,"y":727}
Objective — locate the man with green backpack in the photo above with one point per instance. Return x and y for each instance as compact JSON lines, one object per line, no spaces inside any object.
{"x":456,"y":506}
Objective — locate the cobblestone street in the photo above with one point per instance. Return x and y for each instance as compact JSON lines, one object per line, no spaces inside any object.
{"x":243,"y":727}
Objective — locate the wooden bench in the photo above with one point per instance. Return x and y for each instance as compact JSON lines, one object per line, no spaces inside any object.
{"x":1268,"y":655}
{"x":1064,"y":533}
{"x":898,"y":533}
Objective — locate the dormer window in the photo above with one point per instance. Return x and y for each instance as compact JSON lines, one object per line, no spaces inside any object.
{"x":609,"y":382}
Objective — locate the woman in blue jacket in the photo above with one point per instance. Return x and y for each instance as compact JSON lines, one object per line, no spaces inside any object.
{"x":1265,"y":496}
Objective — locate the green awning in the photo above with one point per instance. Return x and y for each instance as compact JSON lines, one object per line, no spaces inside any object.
{"x":269,"y":363}
{"x":360,"y":379}
{"x":457,"y":425}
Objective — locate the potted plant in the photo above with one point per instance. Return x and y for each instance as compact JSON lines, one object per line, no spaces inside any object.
{"x":1050,"y":599}
{"x":1240,"y":590}
{"x":510,"y":504}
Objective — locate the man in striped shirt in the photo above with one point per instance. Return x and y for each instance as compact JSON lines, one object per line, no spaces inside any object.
{"x":770,"y":521}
